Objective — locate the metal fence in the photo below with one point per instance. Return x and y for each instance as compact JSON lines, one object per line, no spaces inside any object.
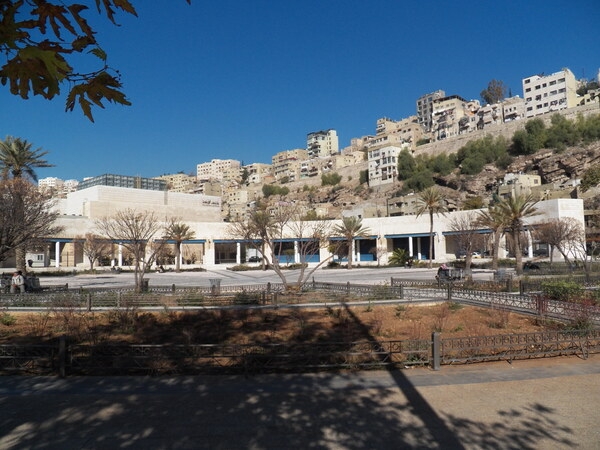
{"x":64,"y":359}
{"x":536,"y":284}
{"x":519,"y":346}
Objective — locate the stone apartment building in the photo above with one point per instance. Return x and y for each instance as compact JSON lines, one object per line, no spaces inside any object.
{"x":217,"y":169}
{"x":518,"y":184}
{"x":453,"y":115}
{"x":548,"y":93}
{"x":425,"y":108}
{"x":57,"y":186}
{"x":322,"y":143}
{"x":383,"y":165}
{"x":287,"y":163}
{"x":257,"y":172}
{"x":180,"y":182}
{"x":408,"y":131}
{"x":513,"y":108}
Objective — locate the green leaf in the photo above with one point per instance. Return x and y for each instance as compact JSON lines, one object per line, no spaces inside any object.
{"x":99,"y":53}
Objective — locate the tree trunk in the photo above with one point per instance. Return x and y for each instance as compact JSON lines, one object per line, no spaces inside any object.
{"x":177,"y":256}
{"x":496,"y":249}
{"x":20,"y":259}
{"x":350,"y":253}
{"x":430,"y":239}
{"x":518,"y":251}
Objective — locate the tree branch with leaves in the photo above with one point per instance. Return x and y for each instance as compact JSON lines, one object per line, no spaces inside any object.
{"x":44,"y":40}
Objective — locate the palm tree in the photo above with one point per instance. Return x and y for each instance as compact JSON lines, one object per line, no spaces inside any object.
{"x":178,"y":232}
{"x":493,"y":219}
{"x":18,"y":161}
{"x":515,"y":210}
{"x":351,"y":228}
{"x":431,"y":200}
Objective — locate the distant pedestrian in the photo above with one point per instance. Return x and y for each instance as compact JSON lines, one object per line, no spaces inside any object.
{"x":17,"y":282}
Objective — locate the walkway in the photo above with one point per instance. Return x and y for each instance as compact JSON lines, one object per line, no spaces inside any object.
{"x":535,"y":404}
{"x":358,"y":275}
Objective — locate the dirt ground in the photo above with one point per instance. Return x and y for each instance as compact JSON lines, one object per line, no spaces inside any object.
{"x":266,"y":326}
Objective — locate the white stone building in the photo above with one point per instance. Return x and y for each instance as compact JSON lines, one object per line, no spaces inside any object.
{"x":547,"y":93}
{"x":383,"y":165}
{"x":216,"y":168}
{"x":322,"y":143}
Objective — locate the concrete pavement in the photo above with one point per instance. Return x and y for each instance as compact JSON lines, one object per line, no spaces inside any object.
{"x":533,"y":404}
{"x":380,"y":275}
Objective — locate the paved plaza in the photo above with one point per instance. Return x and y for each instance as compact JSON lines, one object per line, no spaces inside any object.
{"x":533,"y":404}
{"x":374,"y":275}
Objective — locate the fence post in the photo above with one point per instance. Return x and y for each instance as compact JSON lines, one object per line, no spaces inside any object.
{"x":521,"y":287}
{"x":449,"y":297}
{"x":347,"y":287}
{"x":173,"y":287}
{"x":269,"y":287}
{"x":119,"y":299}
{"x":436,"y":350}
{"x":62,"y":356}
{"x":275,"y":300}
{"x":89,"y":301}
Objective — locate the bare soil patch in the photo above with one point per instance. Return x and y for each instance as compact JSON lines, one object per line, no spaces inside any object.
{"x":337,"y":324}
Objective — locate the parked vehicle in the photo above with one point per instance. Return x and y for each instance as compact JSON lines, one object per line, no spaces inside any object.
{"x":447,"y":274}
{"x":531,"y":266}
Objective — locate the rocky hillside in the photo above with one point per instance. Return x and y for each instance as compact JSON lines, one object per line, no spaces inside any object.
{"x":552,"y":167}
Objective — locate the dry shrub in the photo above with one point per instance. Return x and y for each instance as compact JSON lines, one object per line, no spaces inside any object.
{"x":499,"y":317}
{"x":440,"y":317}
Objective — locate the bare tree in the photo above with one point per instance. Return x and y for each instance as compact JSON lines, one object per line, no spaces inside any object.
{"x":26,"y":216}
{"x":559,"y":234}
{"x":95,"y":247}
{"x":140,"y":234}
{"x":468,"y":235}
{"x":266,"y":231}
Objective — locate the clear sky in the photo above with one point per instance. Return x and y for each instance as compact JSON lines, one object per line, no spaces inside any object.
{"x":245,"y":79}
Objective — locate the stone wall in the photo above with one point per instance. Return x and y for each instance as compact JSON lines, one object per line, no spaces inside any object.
{"x":453,"y":144}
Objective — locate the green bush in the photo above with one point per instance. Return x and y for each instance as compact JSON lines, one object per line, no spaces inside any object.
{"x":562,"y":290}
{"x":399,"y":257}
{"x":246,"y":298}
{"x":330,"y":179}
{"x":242,"y":268}
{"x":7,"y":319}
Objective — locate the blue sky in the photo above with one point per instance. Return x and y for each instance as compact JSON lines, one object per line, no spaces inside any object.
{"x":247,"y":79}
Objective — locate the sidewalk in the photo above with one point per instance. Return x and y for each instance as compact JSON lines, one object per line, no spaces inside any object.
{"x":533,"y":404}
{"x":380,"y":275}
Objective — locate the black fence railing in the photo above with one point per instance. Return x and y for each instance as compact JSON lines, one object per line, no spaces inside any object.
{"x":63,"y":359}
{"x":536,"y":284}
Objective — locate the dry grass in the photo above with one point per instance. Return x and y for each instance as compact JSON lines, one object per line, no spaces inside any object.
{"x":244,"y":326}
